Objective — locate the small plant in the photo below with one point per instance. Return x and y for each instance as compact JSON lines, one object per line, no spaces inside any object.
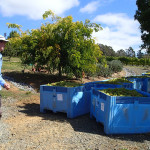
{"x":28,"y":92}
{"x":103,"y":71}
{"x":115,"y":65}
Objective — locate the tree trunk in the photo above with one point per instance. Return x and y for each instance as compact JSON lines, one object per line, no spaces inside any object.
{"x":59,"y":69}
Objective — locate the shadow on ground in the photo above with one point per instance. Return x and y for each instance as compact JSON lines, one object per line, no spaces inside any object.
{"x":80,"y":124}
{"x":34,"y":79}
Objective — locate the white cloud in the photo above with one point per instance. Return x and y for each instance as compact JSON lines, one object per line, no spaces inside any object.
{"x":35,"y":8}
{"x":119,"y":31}
{"x":90,"y":7}
{"x":94,"y":5}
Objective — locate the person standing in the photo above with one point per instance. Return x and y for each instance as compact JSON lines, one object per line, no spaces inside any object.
{"x":2,"y":81}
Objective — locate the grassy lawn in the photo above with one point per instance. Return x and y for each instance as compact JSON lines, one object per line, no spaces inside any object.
{"x":13,"y":65}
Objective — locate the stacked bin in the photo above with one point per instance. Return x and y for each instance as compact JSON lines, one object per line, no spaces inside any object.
{"x":118,"y":114}
{"x":72,"y":100}
{"x":121,"y":114}
{"x":75,"y":101}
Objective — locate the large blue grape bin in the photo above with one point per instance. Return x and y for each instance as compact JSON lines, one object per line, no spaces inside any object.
{"x":103,"y":85}
{"x":121,"y":115}
{"x":140,"y":83}
{"x":74,"y":101}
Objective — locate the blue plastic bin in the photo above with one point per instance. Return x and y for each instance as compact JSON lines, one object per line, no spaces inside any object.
{"x":121,"y":115}
{"x":99,"y":84}
{"x":74,"y":101}
{"x":142,"y":84}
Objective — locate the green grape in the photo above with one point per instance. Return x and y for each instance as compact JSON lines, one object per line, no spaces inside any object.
{"x":121,"y":92}
{"x":118,"y":81}
{"x":65,"y":84}
{"x":138,"y":77}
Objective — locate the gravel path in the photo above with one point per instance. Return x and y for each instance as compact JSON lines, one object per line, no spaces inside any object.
{"x":135,"y":70}
{"x":23,"y":127}
{"x":129,"y":72}
{"x":22,"y":86}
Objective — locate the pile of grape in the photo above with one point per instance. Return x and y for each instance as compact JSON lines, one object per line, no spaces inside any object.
{"x":138,"y":76}
{"x":147,"y":73}
{"x":121,"y":92}
{"x":65,"y":84}
{"x":118,"y":81}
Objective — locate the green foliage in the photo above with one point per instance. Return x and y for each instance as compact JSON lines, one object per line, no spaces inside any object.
{"x":50,"y":13}
{"x":115,"y":65}
{"x":64,"y":46}
{"x":143,"y":16}
{"x":107,"y":50}
{"x":121,"y":53}
{"x":13,"y":34}
{"x":121,"y":92}
{"x":131,"y":60}
{"x":13,"y":47}
{"x":140,"y":54}
{"x":13,"y":25}
{"x":102,"y":60}
{"x":105,"y":68}
{"x":103,"y":71}
{"x":130,"y":52}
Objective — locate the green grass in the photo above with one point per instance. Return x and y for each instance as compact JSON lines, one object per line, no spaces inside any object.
{"x":20,"y":95}
{"x":13,"y":59}
{"x":13,"y":65}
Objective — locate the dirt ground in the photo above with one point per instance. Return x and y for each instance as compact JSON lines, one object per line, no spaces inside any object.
{"x":23,"y":127}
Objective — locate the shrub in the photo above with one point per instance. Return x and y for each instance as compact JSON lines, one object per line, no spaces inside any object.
{"x":115,"y":65}
{"x":103,"y":71}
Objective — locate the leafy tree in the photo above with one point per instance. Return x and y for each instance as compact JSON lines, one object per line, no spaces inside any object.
{"x":107,"y":50}
{"x":130,"y":52}
{"x":121,"y":53}
{"x":13,"y":34}
{"x":140,"y":54}
{"x":143,"y":16}
{"x":63,"y":45}
{"x":13,"y":47}
{"x":75,"y":50}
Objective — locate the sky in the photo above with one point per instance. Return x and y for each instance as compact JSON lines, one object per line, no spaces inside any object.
{"x":120,"y":30}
